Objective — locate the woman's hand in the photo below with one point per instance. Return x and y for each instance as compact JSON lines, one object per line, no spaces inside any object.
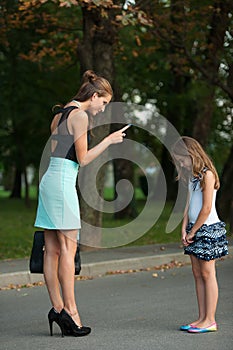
{"x":117,"y":136}
{"x":86,"y":156}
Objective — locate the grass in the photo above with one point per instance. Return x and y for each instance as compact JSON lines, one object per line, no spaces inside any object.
{"x":16,"y":231}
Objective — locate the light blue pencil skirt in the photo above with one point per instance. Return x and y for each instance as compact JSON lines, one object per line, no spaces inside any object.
{"x":58,"y":205}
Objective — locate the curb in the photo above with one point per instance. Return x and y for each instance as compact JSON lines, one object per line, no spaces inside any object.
{"x":101,"y":268}
{"x":132,"y":263}
{"x":94,"y":269}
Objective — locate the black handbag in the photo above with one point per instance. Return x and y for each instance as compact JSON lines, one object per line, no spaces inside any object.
{"x":37,"y":255}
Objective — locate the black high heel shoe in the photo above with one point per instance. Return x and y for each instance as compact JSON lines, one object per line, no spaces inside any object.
{"x":68,"y":325}
{"x":54,"y":316}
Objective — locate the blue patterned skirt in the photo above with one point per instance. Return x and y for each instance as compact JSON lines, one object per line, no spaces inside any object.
{"x":209,"y":242}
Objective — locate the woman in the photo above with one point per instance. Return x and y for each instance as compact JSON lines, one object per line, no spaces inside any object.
{"x":58,"y":208}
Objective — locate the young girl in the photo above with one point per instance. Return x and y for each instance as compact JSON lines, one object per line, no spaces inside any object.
{"x":203,"y":234}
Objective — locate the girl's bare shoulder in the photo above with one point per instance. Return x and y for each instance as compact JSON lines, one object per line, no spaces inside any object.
{"x":209,"y":176}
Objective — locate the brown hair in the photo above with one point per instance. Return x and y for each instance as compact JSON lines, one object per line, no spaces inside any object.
{"x":187,"y":146}
{"x":92,"y":83}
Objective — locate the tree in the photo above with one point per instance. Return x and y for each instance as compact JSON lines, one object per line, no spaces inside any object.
{"x":95,"y":52}
{"x":24,"y":123}
{"x":186,"y":44}
{"x":200,"y":39}
{"x":225,"y":195}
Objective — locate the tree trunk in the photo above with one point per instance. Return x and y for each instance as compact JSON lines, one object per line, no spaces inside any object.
{"x":215,"y":46}
{"x":17,"y":186}
{"x":175,"y":112}
{"x":225,"y":194}
{"x":26,"y":197}
{"x":202,"y":124}
{"x":122,"y":168}
{"x":96,"y":53}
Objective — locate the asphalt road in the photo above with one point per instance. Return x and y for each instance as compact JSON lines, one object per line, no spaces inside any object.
{"x":126,"y":312}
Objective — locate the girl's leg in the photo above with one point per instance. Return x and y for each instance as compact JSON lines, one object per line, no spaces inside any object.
{"x":68,"y":247}
{"x":208,"y":272}
{"x":51,"y":258}
{"x":200,"y":289}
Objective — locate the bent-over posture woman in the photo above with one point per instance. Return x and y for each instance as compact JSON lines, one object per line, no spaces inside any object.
{"x":58,"y":207}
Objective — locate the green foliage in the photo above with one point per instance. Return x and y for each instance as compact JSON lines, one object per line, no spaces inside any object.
{"x":38,"y":50}
{"x":164,"y":56}
{"x":32,"y":81}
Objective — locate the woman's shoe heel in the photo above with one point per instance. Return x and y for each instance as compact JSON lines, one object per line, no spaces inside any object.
{"x":54,"y":316}
{"x":51,"y":327}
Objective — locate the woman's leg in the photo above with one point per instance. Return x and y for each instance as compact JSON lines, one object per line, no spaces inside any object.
{"x":208,"y":272}
{"x":200,"y":289}
{"x":51,"y":258}
{"x":68,"y":247}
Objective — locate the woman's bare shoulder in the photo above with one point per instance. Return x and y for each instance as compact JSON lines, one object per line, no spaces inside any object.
{"x":78,"y":121}
{"x":77,"y":116}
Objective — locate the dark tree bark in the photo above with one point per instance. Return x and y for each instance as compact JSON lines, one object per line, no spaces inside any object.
{"x":202,"y":127}
{"x":225,"y":194}
{"x":215,"y":47}
{"x":202,"y":124}
{"x":175,"y":111}
{"x":17,"y":185}
{"x":95,"y":52}
{"x":122,"y":168}
{"x":26,"y":197}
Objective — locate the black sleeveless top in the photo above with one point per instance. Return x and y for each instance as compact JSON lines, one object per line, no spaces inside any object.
{"x":65,"y":141}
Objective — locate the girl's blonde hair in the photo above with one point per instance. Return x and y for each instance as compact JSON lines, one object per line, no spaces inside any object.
{"x":187,"y":146}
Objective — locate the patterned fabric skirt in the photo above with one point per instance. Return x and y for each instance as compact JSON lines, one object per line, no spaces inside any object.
{"x":58,"y":205}
{"x":209,"y":242}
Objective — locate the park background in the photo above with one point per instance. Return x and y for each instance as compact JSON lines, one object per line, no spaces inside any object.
{"x":176,"y":55}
